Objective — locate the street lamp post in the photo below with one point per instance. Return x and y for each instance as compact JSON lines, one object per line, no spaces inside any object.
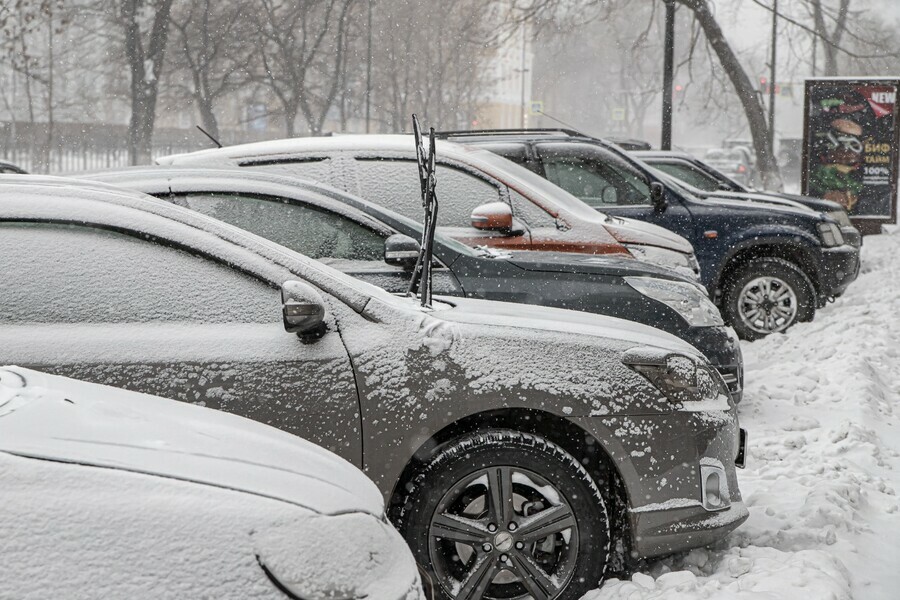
{"x":668,"y":76}
{"x":771,"y":139}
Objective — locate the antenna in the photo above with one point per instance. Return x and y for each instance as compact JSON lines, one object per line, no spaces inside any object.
{"x":207,"y":134}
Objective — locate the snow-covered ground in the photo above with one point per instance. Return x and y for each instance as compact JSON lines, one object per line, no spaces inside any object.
{"x":823,"y":477}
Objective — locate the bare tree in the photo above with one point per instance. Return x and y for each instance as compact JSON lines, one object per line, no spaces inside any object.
{"x":212,"y":46}
{"x":145,"y":25}
{"x":436,"y":67}
{"x":744,"y":88}
{"x":27,"y":44}
{"x":302,"y":48}
{"x":831,"y":38}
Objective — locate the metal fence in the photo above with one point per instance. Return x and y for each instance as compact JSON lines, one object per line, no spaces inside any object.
{"x":92,"y":146}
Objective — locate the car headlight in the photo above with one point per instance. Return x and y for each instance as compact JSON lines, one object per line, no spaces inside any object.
{"x":689,"y":382}
{"x":841,"y":216}
{"x":830,"y":234}
{"x":686,"y":299}
{"x":685,"y":264}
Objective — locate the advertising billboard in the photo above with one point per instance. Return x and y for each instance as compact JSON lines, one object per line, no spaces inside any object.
{"x":850,"y":147}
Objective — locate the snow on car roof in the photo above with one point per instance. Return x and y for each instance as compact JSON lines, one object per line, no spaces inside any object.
{"x":484,"y":161}
{"x":60,"y":419}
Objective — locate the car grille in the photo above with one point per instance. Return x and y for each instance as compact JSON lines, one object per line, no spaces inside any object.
{"x":732,"y":377}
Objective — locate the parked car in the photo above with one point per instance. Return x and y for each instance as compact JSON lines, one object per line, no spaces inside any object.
{"x":484,"y":199}
{"x":736,"y":162}
{"x":114,"y":494}
{"x":379,"y":246}
{"x":706,"y":182}
{"x":520,"y":449}
{"x":7,"y":168}
{"x":767,"y":266}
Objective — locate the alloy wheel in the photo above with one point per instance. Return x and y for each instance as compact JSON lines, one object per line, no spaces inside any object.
{"x":503,"y":533}
{"x":767,"y":305}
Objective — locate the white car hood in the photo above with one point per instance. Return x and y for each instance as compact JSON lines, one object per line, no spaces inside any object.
{"x":632,"y":231}
{"x":55,"y":418}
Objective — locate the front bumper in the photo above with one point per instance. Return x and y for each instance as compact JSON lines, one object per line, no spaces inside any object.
{"x":661,"y":471}
{"x":840,"y":267}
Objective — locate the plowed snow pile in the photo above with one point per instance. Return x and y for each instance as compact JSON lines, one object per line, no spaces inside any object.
{"x":822,"y":406}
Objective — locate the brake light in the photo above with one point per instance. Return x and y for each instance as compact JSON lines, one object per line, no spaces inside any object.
{"x":742,"y":169}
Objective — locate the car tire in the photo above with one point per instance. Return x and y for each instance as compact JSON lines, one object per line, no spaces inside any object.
{"x":767,"y":295}
{"x":502,"y":514}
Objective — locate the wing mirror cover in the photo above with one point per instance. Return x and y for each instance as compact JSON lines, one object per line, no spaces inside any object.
{"x":658,"y":196}
{"x":496,"y":216}
{"x":303,"y":309}
{"x":401,"y":251}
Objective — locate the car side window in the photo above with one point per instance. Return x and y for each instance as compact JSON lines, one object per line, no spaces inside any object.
{"x":80,"y":274}
{"x":394,"y":184}
{"x":309,"y":230}
{"x":581,"y":179}
{"x":690,"y":175}
{"x":533,"y":215}
{"x":598,"y":177}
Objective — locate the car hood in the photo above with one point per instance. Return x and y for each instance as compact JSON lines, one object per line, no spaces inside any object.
{"x":59,"y":419}
{"x":567,"y":262}
{"x":632,"y":231}
{"x":779,"y":199}
{"x":741,"y":200}
{"x":572,"y":323}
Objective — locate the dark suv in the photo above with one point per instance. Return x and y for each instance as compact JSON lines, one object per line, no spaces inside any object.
{"x":768,"y":266}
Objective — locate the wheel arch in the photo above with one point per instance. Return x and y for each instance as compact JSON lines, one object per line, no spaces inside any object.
{"x":566,"y":434}
{"x":796,"y":253}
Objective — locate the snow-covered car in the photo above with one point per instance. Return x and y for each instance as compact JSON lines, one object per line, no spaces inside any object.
{"x":485,"y":199}
{"x":363,"y":239}
{"x":114,"y":494}
{"x":520,"y":449}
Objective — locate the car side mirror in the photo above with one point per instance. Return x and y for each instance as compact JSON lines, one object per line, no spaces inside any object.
{"x":724,"y":187}
{"x":495,"y":216}
{"x":401,"y":251}
{"x":658,"y":196}
{"x":610,"y":195}
{"x":302,"y":309}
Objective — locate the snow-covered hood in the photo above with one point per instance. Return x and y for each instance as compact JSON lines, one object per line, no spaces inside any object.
{"x":740,"y":200}
{"x":571,"y":262}
{"x":632,"y":231}
{"x":575,"y":325}
{"x":55,"y":418}
{"x":758,"y":197}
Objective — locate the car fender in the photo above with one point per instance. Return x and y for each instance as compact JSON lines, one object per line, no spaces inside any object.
{"x":792,"y":239}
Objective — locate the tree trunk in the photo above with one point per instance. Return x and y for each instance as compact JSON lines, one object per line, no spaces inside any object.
{"x":145,"y":64}
{"x":746,"y":92}
{"x":830,"y":39}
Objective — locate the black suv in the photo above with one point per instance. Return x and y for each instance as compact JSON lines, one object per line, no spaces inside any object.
{"x":767,"y":266}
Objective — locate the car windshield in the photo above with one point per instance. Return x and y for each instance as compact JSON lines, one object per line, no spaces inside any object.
{"x":679,"y":186}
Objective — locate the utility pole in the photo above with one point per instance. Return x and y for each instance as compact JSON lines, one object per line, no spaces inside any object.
{"x":524,"y":70}
{"x":369,"y":73}
{"x":668,"y":76}
{"x":772,"y":78}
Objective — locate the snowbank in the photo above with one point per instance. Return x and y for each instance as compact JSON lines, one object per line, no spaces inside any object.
{"x":821,"y":406}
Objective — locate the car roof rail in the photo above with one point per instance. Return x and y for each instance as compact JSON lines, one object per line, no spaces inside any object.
{"x":502,"y":132}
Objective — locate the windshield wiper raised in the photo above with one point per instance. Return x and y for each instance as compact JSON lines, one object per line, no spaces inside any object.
{"x":421,"y":275}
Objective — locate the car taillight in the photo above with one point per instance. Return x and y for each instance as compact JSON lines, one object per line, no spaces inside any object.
{"x":742,"y":169}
